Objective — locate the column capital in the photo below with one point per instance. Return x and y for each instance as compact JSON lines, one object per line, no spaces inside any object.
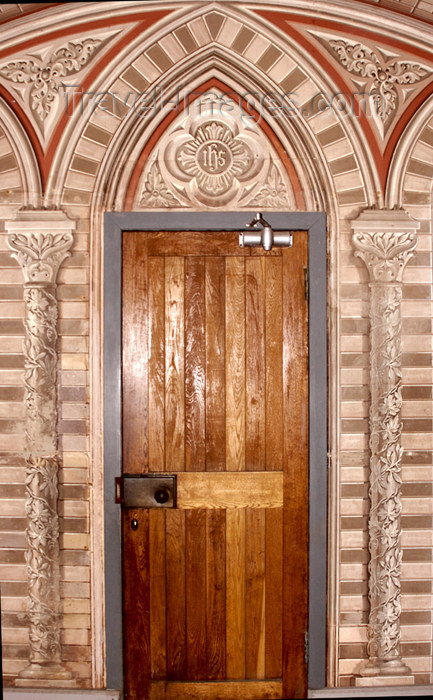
{"x":40,"y":239}
{"x":385,"y":240}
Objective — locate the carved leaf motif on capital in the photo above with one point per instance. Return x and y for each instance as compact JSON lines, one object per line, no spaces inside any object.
{"x":385,"y":254}
{"x":40,"y":254}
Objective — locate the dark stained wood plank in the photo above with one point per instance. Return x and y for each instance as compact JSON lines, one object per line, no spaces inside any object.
{"x":235,"y":592}
{"x":274,"y":593}
{"x":176,"y":598}
{"x":216,"y":594}
{"x":235,"y":364}
{"x":215,"y":364}
{"x":295,"y":377}
{"x":174,"y":365}
{"x":274,"y":364}
{"x":156,"y":364}
{"x":196,"y":651}
{"x":158,"y":605}
{"x":136,"y":608}
{"x":134,"y":360}
{"x":255,"y":592}
{"x":195,"y":364}
{"x":255,"y":364}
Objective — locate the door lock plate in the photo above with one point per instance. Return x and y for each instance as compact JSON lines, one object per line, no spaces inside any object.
{"x":146,"y":490}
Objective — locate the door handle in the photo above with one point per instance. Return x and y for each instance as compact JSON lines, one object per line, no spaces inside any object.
{"x":146,"y":490}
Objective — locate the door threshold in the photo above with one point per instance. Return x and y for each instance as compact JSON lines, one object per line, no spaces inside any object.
{"x":389,"y":691}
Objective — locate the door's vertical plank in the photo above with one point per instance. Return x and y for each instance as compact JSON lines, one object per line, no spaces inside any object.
{"x":274,"y":364}
{"x":134,"y":360}
{"x":255,"y":364}
{"x":295,"y":582}
{"x":235,"y":592}
{"x":136,"y":608}
{"x":156,"y":364}
{"x":176,"y":600}
{"x":235,"y":364}
{"x":216,"y":594}
{"x":158,"y":639}
{"x":196,"y":594}
{"x":274,"y":593}
{"x":255,"y":592}
{"x":215,"y":364}
{"x":194,"y":364}
{"x":174,"y":365}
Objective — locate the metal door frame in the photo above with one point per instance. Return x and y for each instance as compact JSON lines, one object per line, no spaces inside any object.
{"x":315,"y":224}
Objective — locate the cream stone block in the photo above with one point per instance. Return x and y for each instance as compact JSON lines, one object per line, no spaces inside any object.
{"x":14,"y":604}
{"x":13,"y":572}
{"x":256,"y":48}
{"x":304,"y":93}
{"x":76,"y":606}
{"x":354,"y":409}
{"x":14,"y":507}
{"x":76,"y":621}
{"x":76,"y":211}
{"x":10,"y":179}
{"x":348,"y":667}
{"x":75,"y":589}
{"x":71,"y":540}
{"x":281,"y":68}
{"x":416,"y":275}
{"x":11,"y":275}
{"x":5,"y":148}
{"x":14,"y":635}
{"x":74,"y":509}
{"x":357,"y":376}
{"x":353,"y":539}
{"x":417,"y":375}
{"x":172,"y":47}
{"x":69,"y":442}
{"x":417,"y":441}
{"x":81,"y":241}
{"x":11,"y":344}
{"x":416,"y":633}
{"x":417,"y":343}
{"x":12,"y":410}
{"x":200,"y":31}
{"x":75,"y":410}
{"x":423,"y":152}
{"x":416,"y":473}
{"x":417,"y":183}
{"x":81,"y":670}
{"x":420,"y":212}
{"x":348,"y":181}
{"x":354,"y":309}
{"x":416,"y":538}
{"x":73,"y":361}
{"x":73,"y":378}
{"x":13,"y":666}
{"x":353,"y":602}
{"x":76,"y":573}
{"x":147,"y":69}
{"x":80,"y":181}
{"x":75,"y":637}
{"x":424,"y":241}
{"x":417,"y":409}
{"x":12,"y":475}
{"x":354,"y":442}
{"x":91,"y":149}
{"x":73,"y":309}
{"x":105,"y":120}
{"x":73,"y":343}
{"x":418,"y":664}
{"x":352,"y":572}
{"x":13,"y":442}
{"x":353,"y":506}
{"x":11,"y":309}
{"x":417,"y":505}
{"x":416,"y":602}
{"x":228,"y":32}
{"x":418,"y":570}
{"x":354,"y":343}
{"x":337,"y":150}
{"x":353,"y":635}
{"x":352,"y":475}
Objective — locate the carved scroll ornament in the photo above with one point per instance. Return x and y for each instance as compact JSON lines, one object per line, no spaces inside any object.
{"x":385,"y":241}
{"x":40,"y":241}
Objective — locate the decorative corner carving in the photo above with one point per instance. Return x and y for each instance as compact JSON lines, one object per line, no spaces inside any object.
{"x":44,"y":76}
{"x":156,"y":193}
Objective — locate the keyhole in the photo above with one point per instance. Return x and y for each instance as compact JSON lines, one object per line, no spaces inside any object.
{"x":134,"y":524}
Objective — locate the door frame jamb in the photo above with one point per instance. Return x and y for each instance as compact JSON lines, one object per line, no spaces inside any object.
{"x":315,"y":224}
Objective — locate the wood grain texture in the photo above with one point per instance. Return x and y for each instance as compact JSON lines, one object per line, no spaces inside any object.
{"x":255,"y":364}
{"x":216,"y":594}
{"x":196,"y":651}
{"x":245,"y":690}
{"x":255,"y":592}
{"x":235,"y":597}
{"x":230,"y":490}
{"x":295,"y":377}
{"x":195,"y":364}
{"x":274,"y":364}
{"x":156,"y":418}
{"x":215,"y":364}
{"x":274,"y":594}
{"x":235,"y":364}
{"x":136,"y":609}
{"x":158,"y":603}
{"x":176,"y":595}
{"x":174,"y":365}
{"x":134,"y":356}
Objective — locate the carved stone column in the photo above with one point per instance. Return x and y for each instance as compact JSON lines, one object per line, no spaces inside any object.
{"x":385,"y":240}
{"x":40,"y":241}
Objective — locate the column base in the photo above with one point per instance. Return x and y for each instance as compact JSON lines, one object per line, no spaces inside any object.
{"x":384,"y":667}
{"x":42,"y":675}
{"x":383,"y":681}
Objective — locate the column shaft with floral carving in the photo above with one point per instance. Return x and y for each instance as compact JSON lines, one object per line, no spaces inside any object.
{"x":385,"y":241}
{"x":40,"y":241}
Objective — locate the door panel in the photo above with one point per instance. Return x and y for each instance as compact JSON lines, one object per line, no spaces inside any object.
{"x":215,"y":390}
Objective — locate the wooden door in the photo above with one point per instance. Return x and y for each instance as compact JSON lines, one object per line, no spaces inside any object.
{"x":215,"y":390}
